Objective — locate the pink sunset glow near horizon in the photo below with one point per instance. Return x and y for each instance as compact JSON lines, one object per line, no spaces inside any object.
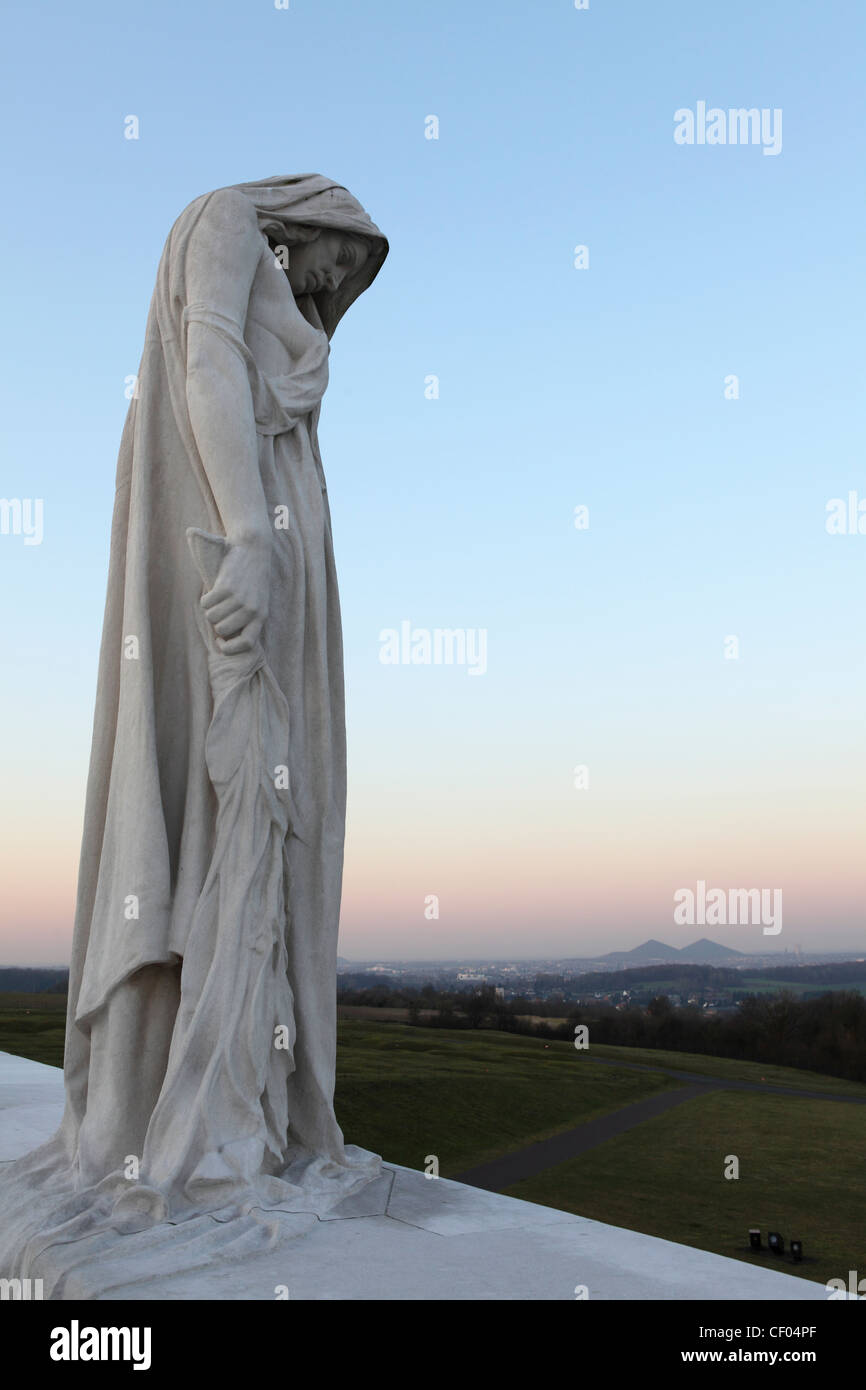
{"x":554,"y":891}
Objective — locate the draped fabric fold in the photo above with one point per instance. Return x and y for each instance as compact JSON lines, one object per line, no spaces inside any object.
{"x":223,"y":1102}
{"x":279,"y":402}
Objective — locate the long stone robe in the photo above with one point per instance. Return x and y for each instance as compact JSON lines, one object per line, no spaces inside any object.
{"x":200,"y":1045}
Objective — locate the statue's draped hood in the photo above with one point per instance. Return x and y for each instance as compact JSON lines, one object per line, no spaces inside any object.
{"x":316,"y":201}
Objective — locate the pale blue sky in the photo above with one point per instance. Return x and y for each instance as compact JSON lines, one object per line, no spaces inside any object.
{"x":558,"y":387}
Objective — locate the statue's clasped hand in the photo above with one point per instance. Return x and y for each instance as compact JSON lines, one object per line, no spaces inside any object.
{"x":237,"y":604}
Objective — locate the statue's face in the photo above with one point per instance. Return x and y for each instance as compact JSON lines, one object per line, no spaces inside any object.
{"x":323,"y":264}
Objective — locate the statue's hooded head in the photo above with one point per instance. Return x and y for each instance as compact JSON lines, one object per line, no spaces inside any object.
{"x":296,"y":210}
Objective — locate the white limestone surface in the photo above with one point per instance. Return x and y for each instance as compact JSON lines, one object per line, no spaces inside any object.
{"x":403,"y":1237}
{"x":31,"y":1104}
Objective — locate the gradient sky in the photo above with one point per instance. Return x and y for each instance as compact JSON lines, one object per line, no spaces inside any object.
{"x":559,"y":387}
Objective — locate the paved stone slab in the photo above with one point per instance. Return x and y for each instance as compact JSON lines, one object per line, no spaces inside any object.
{"x":31,"y":1104}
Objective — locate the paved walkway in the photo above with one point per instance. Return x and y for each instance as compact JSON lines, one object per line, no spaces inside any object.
{"x":501,"y":1173}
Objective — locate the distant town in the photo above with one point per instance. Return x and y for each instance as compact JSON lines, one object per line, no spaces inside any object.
{"x":704,"y":974}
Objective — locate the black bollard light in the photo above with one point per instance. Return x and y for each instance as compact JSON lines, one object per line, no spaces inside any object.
{"x":776,"y":1242}
{"x":797,"y":1251}
{"x":755,"y":1237}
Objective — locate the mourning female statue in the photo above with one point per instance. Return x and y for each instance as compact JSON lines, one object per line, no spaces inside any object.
{"x":200,"y":1043}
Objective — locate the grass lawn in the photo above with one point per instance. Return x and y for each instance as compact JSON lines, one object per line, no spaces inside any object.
{"x":728,"y":1069}
{"x":33,"y":1025}
{"x":801,"y":1173}
{"x":406,"y":1092}
{"x":468,"y":1096}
